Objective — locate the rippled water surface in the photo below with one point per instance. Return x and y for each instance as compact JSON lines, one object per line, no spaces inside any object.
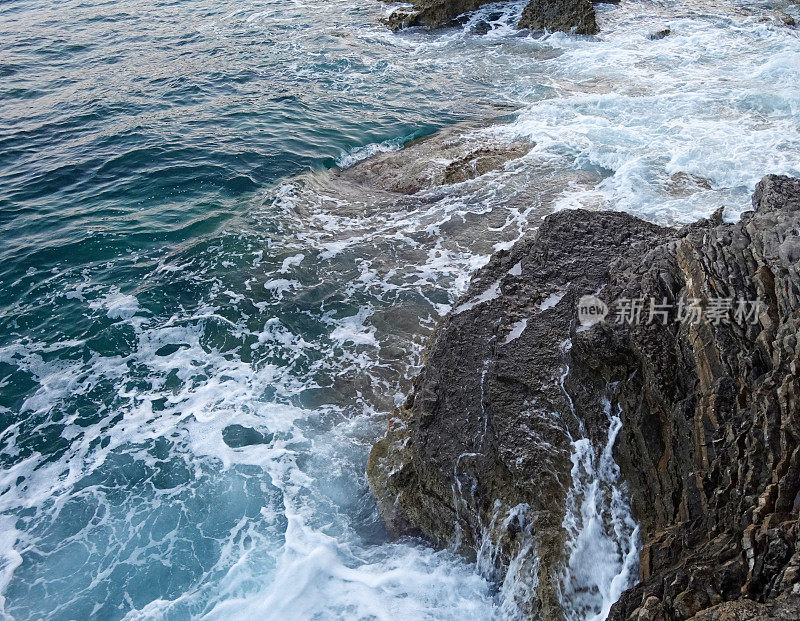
{"x":203,"y":329}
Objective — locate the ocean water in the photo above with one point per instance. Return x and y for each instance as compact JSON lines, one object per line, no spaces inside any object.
{"x":203,"y":330}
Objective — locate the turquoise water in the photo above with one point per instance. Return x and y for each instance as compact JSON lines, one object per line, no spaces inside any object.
{"x":202,"y":330}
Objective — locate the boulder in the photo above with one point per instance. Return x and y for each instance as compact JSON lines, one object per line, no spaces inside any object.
{"x":574,"y":16}
{"x":480,"y":455}
{"x":431,"y":13}
{"x":659,"y":34}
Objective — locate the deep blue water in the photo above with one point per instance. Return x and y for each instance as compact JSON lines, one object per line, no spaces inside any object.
{"x":177,"y":258}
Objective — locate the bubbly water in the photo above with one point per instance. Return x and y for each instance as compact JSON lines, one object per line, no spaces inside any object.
{"x":202,"y":331}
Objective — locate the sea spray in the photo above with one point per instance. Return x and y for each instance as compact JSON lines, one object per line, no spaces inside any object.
{"x":602,"y":535}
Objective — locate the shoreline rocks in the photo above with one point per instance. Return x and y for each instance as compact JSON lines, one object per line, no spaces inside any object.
{"x":431,"y":13}
{"x":573,"y":16}
{"x":481,"y":455}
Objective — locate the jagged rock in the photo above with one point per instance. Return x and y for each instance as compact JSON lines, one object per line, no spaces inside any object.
{"x":479,"y":457}
{"x":575,"y":16}
{"x":477,"y":453}
{"x":568,"y":15}
{"x":778,"y":18}
{"x":431,"y":13}
{"x":403,"y":17}
{"x":710,"y":445}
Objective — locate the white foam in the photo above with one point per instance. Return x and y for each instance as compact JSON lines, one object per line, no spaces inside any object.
{"x":10,"y":559}
{"x":359,"y":154}
{"x":290,"y":262}
{"x":552,"y":300}
{"x":490,"y":294}
{"x":708,"y":100}
{"x":516,"y":331}
{"x":353,"y":330}
{"x":117,"y":305}
{"x":603,"y":537}
{"x":279,"y":286}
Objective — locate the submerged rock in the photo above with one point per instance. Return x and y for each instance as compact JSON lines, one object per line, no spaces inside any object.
{"x":506,"y":443}
{"x":685,"y":184}
{"x":238,"y":436}
{"x":659,"y":34}
{"x":450,"y":156}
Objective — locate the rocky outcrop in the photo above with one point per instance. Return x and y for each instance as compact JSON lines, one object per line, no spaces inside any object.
{"x":576,"y":16}
{"x":710,"y":442}
{"x":431,"y":13}
{"x":519,"y":402}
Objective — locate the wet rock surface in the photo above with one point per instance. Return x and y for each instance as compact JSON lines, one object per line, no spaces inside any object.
{"x":710,"y":442}
{"x":431,"y":13}
{"x":450,"y":156}
{"x":659,"y":34}
{"x":482,"y":455}
{"x":576,"y":16}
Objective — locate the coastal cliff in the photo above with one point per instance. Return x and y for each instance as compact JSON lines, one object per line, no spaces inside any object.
{"x":556,"y":450}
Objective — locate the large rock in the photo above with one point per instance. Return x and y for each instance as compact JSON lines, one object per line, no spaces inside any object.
{"x":480,"y":454}
{"x":431,"y":13}
{"x":575,"y":16}
{"x":483,"y":456}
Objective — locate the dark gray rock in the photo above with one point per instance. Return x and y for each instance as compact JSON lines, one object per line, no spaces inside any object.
{"x":431,"y":13}
{"x":710,"y":443}
{"x":575,"y":16}
{"x":479,"y":440}
{"x":479,"y":455}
